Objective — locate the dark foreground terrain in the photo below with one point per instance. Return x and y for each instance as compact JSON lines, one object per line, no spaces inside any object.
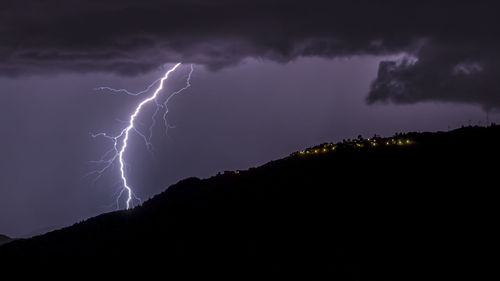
{"x":4,"y":239}
{"x":412,"y":207}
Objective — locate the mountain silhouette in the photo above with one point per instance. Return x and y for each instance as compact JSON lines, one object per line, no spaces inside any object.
{"x":414,"y":206}
{"x":4,"y":239}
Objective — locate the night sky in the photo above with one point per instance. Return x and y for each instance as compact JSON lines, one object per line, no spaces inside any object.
{"x":270,"y":78}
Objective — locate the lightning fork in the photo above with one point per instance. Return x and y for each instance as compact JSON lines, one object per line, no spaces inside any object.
{"x":123,"y":136}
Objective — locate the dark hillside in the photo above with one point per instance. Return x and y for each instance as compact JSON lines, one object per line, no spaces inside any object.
{"x":4,"y":239}
{"x":419,"y":205}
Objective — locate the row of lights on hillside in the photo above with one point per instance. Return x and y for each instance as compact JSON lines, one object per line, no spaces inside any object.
{"x":329,"y":147}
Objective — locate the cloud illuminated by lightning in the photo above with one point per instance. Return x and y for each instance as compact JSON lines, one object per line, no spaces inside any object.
{"x":120,"y":141}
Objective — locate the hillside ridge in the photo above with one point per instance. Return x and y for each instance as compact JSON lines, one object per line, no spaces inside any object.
{"x":364,"y":209}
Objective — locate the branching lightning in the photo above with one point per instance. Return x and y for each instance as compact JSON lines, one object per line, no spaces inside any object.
{"x":120,"y":141}
{"x":188,"y":84}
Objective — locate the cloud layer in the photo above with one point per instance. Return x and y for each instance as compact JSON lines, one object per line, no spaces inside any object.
{"x":464,"y":74}
{"x":451,"y":47}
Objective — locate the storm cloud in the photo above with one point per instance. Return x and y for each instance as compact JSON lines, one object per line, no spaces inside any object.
{"x":449,"y":47}
{"x":468,"y":74}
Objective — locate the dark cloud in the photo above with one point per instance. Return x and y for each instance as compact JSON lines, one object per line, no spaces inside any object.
{"x":455,"y":41}
{"x":457,"y":73}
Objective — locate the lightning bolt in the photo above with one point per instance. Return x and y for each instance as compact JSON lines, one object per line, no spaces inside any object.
{"x":120,"y":141}
{"x":188,"y":84}
{"x":126,"y":91}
